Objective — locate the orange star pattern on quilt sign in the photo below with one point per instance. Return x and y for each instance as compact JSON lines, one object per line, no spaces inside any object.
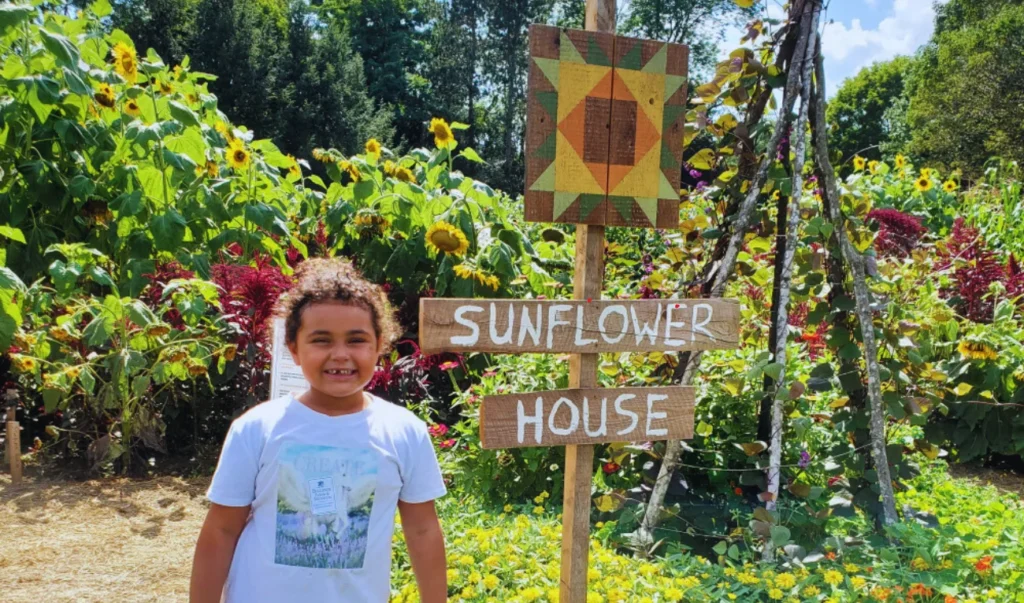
{"x":604,"y":129}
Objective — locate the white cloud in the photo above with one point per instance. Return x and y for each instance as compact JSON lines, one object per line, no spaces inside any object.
{"x":848,"y":48}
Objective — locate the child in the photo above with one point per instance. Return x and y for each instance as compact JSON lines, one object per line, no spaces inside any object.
{"x":304,"y":496}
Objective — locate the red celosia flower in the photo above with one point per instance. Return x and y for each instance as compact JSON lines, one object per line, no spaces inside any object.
{"x":898,"y":233}
{"x":975,"y":268}
{"x":984,"y":564}
{"x":737,"y":491}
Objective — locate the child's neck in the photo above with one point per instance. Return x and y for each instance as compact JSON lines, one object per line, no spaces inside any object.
{"x":333,"y":406}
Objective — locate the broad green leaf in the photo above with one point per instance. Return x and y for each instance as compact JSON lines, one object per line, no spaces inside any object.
{"x":61,"y":48}
{"x":780,"y":535}
{"x":13,"y":15}
{"x":168,"y":230}
{"x":183,"y":114}
{"x":101,"y":8}
{"x":471,"y":155}
{"x":703,"y":429}
{"x":773,"y":370}
{"x":12,"y":233}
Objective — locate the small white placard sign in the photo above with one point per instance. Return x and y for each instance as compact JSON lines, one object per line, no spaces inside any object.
{"x":285,"y":376}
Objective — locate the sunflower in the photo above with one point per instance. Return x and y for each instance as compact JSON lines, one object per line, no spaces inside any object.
{"x":443,"y":136}
{"x":238,"y":157}
{"x":224,"y":130}
{"x":166,"y":88}
{"x":927,"y":172}
{"x":389,"y":167}
{"x":950,"y":187}
{"x":373,"y":147}
{"x":976,"y":350}
{"x":293,"y":169}
{"x":132,"y":108}
{"x":874,"y":166}
{"x":105,"y":96}
{"x":212,"y":170}
{"x":23,"y":364}
{"x":859,"y":163}
{"x":464,"y":271}
{"x":405,"y":174}
{"x":448,"y":238}
{"x":923,"y":184}
{"x":125,"y":62}
{"x":353,"y":171}
{"x":900,"y":162}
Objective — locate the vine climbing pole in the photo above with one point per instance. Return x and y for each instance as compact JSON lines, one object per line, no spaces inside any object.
{"x":799,"y":55}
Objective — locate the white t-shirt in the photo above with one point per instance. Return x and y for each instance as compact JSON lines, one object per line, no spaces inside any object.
{"x":323,"y":492}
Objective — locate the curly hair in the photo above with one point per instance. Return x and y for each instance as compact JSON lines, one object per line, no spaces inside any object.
{"x":321,"y":280}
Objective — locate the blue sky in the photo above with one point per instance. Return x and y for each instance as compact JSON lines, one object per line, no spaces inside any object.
{"x":858,"y":33}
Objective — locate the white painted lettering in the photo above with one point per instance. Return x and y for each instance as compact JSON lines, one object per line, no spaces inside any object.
{"x":616,"y":309}
{"x":537,"y":419}
{"x":642,"y":331}
{"x":579,"y":328}
{"x":574,"y":418}
{"x":507,"y":337}
{"x":651,"y":415}
{"x":471,"y":339}
{"x":699,"y":326}
{"x":553,"y":320}
{"x":622,"y":411}
{"x":603,"y":427}
{"x":672,"y":324}
{"x":531,"y":328}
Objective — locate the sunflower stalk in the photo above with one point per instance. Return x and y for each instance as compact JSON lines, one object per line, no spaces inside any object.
{"x":862,"y":296}
{"x":643,"y":538}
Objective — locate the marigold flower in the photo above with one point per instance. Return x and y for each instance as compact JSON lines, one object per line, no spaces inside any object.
{"x":833,"y":577}
{"x":984,"y":564}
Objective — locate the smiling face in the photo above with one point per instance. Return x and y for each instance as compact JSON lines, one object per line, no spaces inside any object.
{"x":337,"y":348}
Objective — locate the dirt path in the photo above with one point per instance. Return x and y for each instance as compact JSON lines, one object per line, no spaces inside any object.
{"x":105,"y":540}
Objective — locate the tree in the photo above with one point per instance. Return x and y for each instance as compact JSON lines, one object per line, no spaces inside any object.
{"x":698,"y":23}
{"x":166,"y":26}
{"x":967,"y":88}
{"x":857,"y":115}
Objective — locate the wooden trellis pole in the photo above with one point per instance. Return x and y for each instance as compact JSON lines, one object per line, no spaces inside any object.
{"x":13,"y":446}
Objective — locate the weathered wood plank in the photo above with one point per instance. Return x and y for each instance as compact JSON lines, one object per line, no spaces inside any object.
{"x":586,"y":416}
{"x":577,"y":326}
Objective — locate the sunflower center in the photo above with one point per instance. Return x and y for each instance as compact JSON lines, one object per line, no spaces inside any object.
{"x":444,"y":240}
{"x":239,"y":156}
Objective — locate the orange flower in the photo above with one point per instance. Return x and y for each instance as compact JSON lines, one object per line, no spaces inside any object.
{"x":831,"y":555}
{"x":949,"y":599}
{"x":919,"y":590}
{"x":984,"y":564}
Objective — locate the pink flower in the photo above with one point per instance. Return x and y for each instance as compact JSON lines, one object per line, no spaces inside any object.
{"x":448,"y":366}
{"x":447,"y":444}
{"x":438,"y":431}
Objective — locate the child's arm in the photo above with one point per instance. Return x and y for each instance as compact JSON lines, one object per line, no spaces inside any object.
{"x":425,"y":541}
{"x":214,"y":551}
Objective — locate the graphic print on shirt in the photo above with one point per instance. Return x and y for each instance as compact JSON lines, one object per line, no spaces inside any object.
{"x":324,"y":500}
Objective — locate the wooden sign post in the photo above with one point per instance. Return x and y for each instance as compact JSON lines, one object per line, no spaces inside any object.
{"x":14,"y":446}
{"x":604,"y":138}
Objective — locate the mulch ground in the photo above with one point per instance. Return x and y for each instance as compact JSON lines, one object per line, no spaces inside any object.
{"x":100,"y":540}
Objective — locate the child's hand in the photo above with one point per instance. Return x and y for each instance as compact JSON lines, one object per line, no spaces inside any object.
{"x":214,"y":551}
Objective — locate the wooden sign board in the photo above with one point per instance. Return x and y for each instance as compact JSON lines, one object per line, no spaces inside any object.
{"x":577,"y":326}
{"x":285,"y":376}
{"x":604,"y":128}
{"x":587,"y":416}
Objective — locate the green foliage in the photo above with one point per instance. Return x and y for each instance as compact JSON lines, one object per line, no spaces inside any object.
{"x":700,"y":24}
{"x":955,"y":121}
{"x":961,"y":545}
{"x":858,"y":113}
